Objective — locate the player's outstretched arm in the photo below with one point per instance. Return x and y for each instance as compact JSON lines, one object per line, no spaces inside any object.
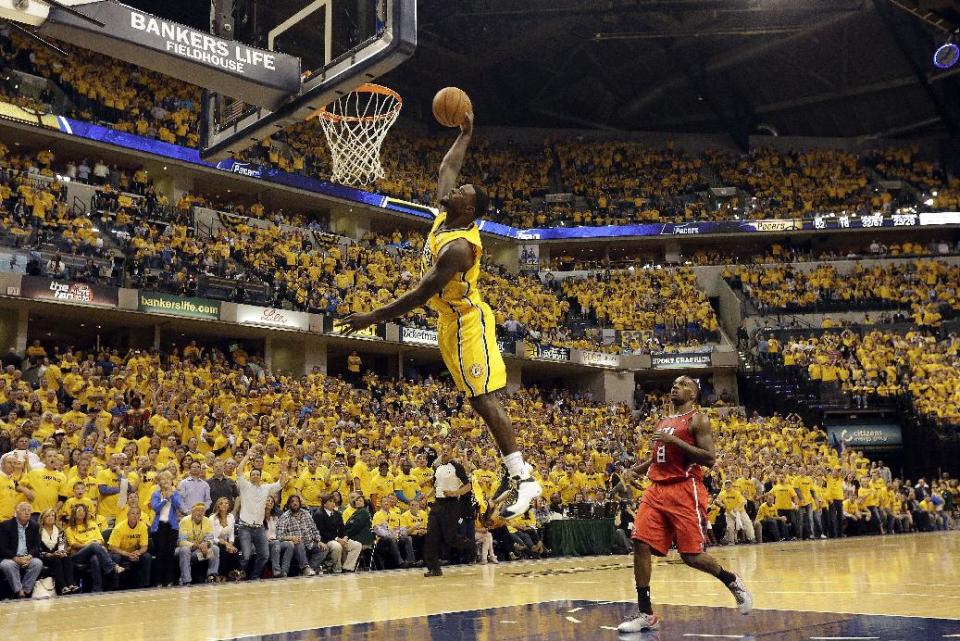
{"x":639,"y":470}
{"x":453,"y":161}
{"x":454,"y":258}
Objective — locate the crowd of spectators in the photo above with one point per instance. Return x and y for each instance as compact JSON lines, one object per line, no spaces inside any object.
{"x":104,"y":89}
{"x":663,"y":305}
{"x":871,"y":365}
{"x":34,"y":208}
{"x":611,"y":181}
{"x":298,"y":263}
{"x":928,"y":288}
{"x":904,"y":163}
{"x":775,"y":253}
{"x":792,"y":184}
{"x":157,"y":463}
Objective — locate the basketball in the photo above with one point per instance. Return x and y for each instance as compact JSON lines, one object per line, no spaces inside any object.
{"x":450,"y":105}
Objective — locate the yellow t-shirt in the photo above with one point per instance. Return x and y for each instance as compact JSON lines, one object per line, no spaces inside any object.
{"x":312,"y":487}
{"x":869,"y":496}
{"x":108,"y":502}
{"x":783,"y":495}
{"x":392,"y":519}
{"x":804,"y":487}
{"x":766,"y":511}
{"x":8,"y":497}
{"x":71,"y":502}
{"x":414,"y":521}
{"x":83,"y":535}
{"x":834,"y":490}
{"x":381,"y":485}
{"x":128,"y":539}
{"x":46,"y":486}
{"x":191,"y":532}
{"x":407,"y":484}
{"x":731,"y":499}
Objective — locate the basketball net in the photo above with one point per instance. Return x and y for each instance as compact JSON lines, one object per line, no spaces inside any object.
{"x":355,"y":126}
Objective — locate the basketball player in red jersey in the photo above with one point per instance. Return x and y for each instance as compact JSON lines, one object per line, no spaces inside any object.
{"x":673,"y":508}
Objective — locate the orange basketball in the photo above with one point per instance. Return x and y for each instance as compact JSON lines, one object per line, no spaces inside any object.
{"x":450,"y":105}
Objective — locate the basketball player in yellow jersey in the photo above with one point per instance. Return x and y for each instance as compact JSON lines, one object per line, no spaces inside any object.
{"x":465,"y":324}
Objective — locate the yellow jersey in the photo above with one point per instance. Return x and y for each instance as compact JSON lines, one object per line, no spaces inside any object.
{"x":460,"y":294}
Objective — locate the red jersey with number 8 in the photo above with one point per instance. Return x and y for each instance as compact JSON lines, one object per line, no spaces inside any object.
{"x":669,"y":461}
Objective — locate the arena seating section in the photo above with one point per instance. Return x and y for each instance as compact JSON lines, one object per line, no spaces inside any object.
{"x":612,"y":182}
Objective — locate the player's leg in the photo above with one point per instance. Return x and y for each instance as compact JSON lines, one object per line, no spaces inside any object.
{"x":484,"y":372}
{"x":652,"y":534}
{"x":642,"y":569}
{"x":683,"y":504}
{"x":706,"y":563}
{"x":490,"y":409}
{"x":518,"y":476}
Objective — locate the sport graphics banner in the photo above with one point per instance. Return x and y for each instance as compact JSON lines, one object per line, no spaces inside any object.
{"x":159,"y":303}
{"x":68,"y":292}
{"x":679,"y":360}
{"x":418,"y":336}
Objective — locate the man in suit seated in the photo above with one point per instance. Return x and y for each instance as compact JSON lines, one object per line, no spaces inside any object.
{"x":20,"y":560}
{"x":344,"y":552}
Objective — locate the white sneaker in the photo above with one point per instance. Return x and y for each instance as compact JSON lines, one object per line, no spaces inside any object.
{"x":309,"y":571}
{"x":744,"y":599}
{"x":527,"y":489}
{"x":823,"y":536}
{"x":641,"y":622}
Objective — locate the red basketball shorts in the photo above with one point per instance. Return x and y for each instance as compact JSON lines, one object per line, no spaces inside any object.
{"x":673,"y":513}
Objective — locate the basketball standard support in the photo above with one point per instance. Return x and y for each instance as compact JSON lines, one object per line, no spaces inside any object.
{"x":394,"y":42}
{"x":256,"y":76}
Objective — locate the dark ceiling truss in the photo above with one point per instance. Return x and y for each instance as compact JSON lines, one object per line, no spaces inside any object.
{"x":816,"y":67}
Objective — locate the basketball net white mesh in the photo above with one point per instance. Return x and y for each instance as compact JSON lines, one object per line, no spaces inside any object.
{"x":355,"y":126}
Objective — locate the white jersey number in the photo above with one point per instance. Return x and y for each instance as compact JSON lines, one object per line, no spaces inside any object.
{"x":661,"y":456}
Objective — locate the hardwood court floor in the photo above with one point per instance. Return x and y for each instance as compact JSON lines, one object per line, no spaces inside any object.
{"x":908,"y":575}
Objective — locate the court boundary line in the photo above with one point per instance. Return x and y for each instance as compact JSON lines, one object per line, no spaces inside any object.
{"x":108,"y":598}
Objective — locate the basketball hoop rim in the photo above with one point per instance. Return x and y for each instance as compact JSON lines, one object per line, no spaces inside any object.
{"x":367,"y":87}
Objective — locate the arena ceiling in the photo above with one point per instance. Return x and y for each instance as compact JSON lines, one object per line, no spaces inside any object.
{"x":798,"y":67}
{"x":815,"y":67}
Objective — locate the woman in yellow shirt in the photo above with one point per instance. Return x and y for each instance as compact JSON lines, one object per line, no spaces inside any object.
{"x":85,"y":544}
